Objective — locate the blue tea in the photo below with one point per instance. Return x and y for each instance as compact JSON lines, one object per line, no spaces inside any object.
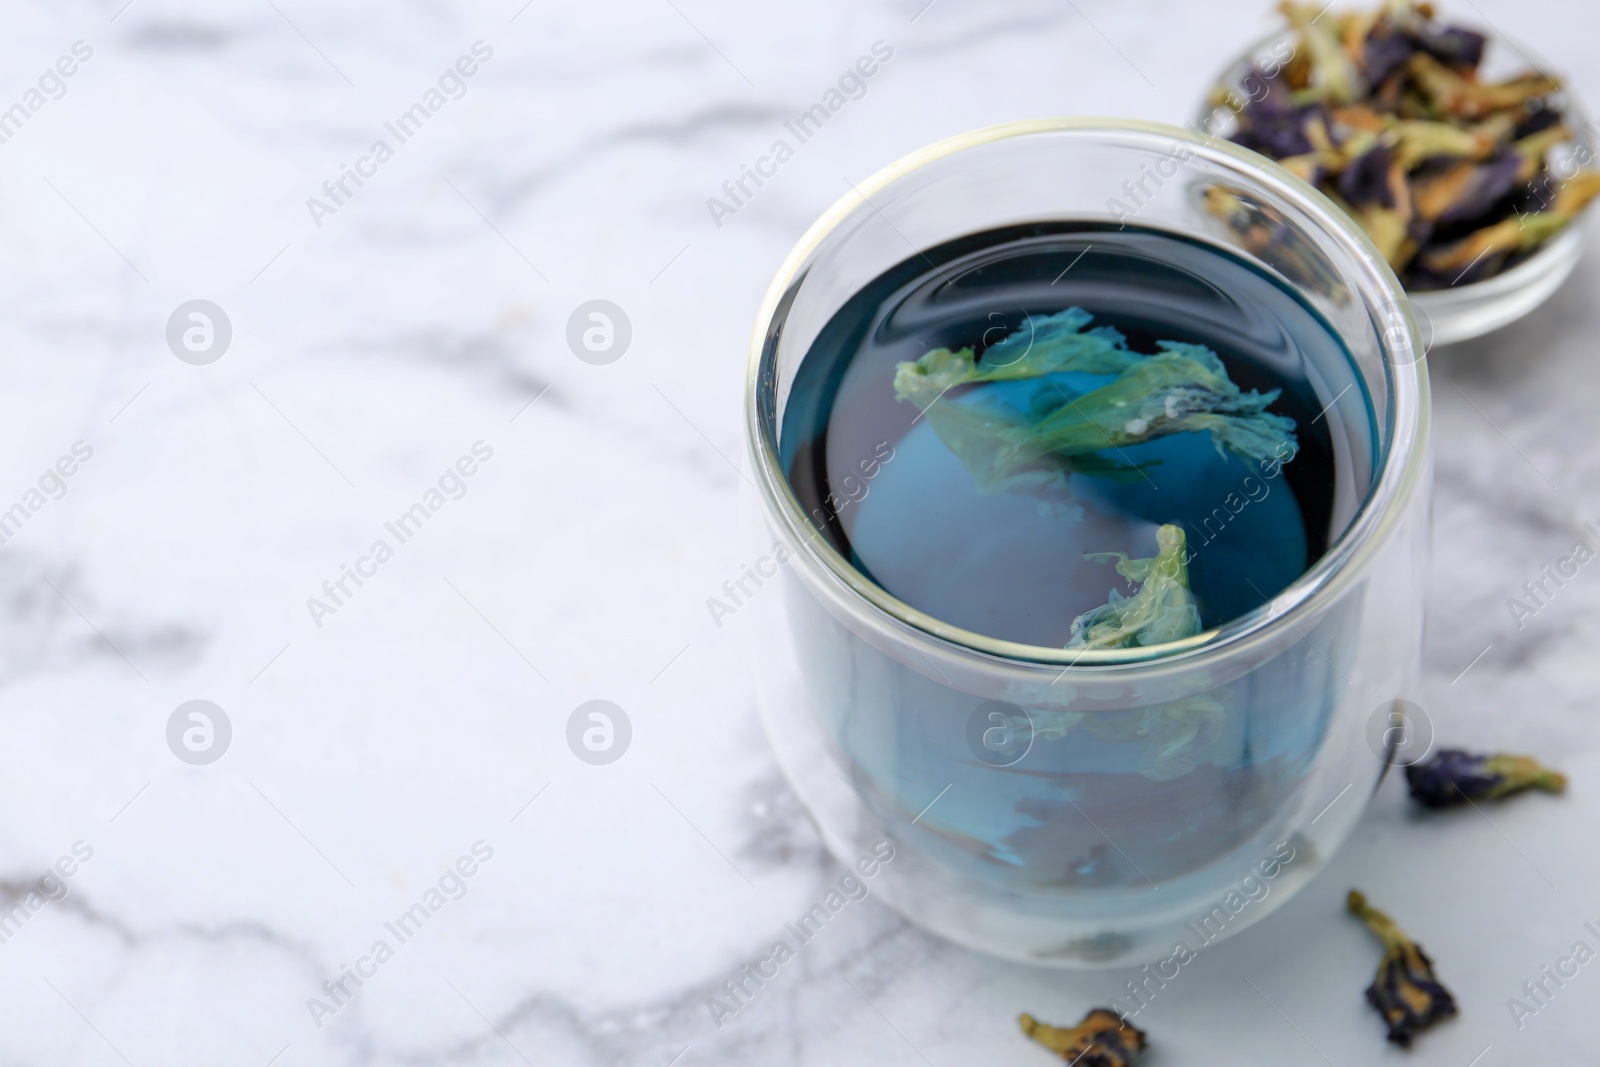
{"x":910,"y":495}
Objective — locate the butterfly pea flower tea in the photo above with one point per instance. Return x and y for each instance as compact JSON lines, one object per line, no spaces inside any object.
{"x":1111,"y":623}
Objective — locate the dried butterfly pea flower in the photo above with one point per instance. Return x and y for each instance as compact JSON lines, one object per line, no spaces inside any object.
{"x":1413,"y":24}
{"x":1046,"y":345}
{"x":1451,"y":776}
{"x":1532,"y":120}
{"x":1102,"y":1039}
{"x":1405,"y":991}
{"x":1163,"y":608}
{"x":1389,"y":229}
{"x":1503,"y":126}
{"x":1485,"y":251}
{"x":1353,"y":27}
{"x":1482,"y":254}
{"x":1454,"y":94}
{"x":1279,"y":132}
{"x":1312,"y":167}
{"x":1466,"y":189}
{"x":1417,"y":141}
{"x":1384,"y":52}
{"x":1334,"y":76}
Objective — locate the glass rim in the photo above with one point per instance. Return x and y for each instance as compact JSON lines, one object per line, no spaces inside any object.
{"x":1395,"y":481}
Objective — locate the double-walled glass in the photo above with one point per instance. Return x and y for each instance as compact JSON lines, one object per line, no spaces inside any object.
{"x":1077,"y":808}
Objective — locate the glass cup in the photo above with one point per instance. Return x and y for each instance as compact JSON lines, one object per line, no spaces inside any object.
{"x":1082,"y":808}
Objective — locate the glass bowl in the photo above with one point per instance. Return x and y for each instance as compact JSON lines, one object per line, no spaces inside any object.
{"x":1462,"y":313}
{"x":999,"y":794}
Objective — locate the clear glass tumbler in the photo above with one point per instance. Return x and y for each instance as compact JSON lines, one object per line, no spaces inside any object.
{"x":1028,"y":794}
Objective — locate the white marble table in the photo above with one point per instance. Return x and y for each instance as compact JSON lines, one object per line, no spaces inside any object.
{"x":378,"y":338}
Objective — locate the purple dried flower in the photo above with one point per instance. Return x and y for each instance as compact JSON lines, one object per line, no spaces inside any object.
{"x":1490,"y":183}
{"x":1405,"y":992}
{"x":1468,"y":190}
{"x":1366,"y":180}
{"x":1103,"y":1039}
{"x":1384,"y":53}
{"x":1452,"y":776}
{"x":1279,"y":134}
{"x":1539,"y":119}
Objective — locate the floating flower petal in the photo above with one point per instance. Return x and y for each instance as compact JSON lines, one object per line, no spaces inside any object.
{"x":1183,"y":388}
{"x":1162,"y":610}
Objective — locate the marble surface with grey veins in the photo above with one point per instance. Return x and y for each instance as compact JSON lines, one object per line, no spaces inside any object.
{"x":415,"y":726}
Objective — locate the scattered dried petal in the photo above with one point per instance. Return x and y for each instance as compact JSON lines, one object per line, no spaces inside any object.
{"x":1102,"y":1039}
{"x":1386,"y":53}
{"x":1484,"y":253}
{"x":1366,"y":179}
{"x":1182,"y":388}
{"x":1405,"y":992}
{"x":1452,"y":776}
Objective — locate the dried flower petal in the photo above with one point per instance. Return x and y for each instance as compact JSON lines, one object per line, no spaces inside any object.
{"x":1366,"y":179}
{"x":1533,"y":147}
{"x":1452,"y":45}
{"x":1385,"y":52}
{"x":1466,"y":190}
{"x":1102,"y":1039}
{"x":1417,"y":141}
{"x":1048,"y":344}
{"x":1452,"y":776}
{"x":1279,"y":132}
{"x":1484,"y":251}
{"x":1390,"y":230}
{"x":1312,"y":167}
{"x":1540,"y":118}
{"x":1405,"y":992}
{"x":1333,"y":73}
{"x":1162,"y":610}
